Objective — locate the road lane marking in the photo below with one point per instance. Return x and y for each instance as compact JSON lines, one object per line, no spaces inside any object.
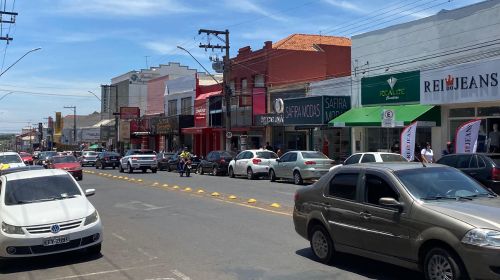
{"x":151,"y":257}
{"x":180,"y":274}
{"x":107,"y":272}
{"x":119,"y":236}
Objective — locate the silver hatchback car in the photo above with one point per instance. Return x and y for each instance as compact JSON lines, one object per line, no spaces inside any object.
{"x":300,"y":166}
{"x":430,"y":218}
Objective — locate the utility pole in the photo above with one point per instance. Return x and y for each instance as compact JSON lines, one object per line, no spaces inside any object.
{"x":74,"y":122}
{"x":117,"y":111}
{"x":12,"y":20}
{"x":226,"y":74}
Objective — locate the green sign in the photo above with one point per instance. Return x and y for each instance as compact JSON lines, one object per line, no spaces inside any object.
{"x":391,"y":89}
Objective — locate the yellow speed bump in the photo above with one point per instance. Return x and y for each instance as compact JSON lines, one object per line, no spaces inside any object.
{"x":200,"y":191}
{"x":120,"y":177}
{"x":139,"y":180}
{"x":232,"y":197}
{"x":252,"y":200}
{"x":216,"y":194}
{"x":156,"y":184}
{"x":131,"y":179}
{"x":115,"y":176}
{"x":275,"y":205}
{"x":165,"y":185}
{"x":188,"y":189}
{"x":175,"y":187}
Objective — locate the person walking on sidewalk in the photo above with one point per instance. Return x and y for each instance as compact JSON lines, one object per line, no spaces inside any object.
{"x":427,"y":153}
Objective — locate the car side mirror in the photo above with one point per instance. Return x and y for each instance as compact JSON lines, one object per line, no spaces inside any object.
{"x":89,"y":192}
{"x":278,"y":160}
{"x":391,"y":202}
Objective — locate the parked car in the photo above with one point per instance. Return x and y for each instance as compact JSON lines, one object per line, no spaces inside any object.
{"x":173,"y":162}
{"x":163,"y":159}
{"x":300,"y":166}
{"x":44,"y":211}
{"x":432,"y":218}
{"x":139,"y":159}
{"x":68,"y":163}
{"x":485,"y":168}
{"x":216,"y":162}
{"x":27,"y":158}
{"x":252,"y":163}
{"x":43,"y":157}
{"x":10,"y":160}
{"x":105,"y":159}
{"x":88,"y":158}
{"x":372,"y":157}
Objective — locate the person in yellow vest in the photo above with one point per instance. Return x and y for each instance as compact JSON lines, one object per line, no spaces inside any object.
{"x":4,"y":166}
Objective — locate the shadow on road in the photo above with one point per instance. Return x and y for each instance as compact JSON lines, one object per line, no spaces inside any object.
{"x":45,"y":262}
{"x":366,"y":267}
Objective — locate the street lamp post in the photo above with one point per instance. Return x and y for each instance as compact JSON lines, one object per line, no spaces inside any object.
{"x":74,"y":122}
{"x":19,"y":59}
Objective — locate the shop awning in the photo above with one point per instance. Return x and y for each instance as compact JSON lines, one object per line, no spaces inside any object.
{"x":95,"y":146}
{"x":404,"y":115}
{"x":208,"y":94}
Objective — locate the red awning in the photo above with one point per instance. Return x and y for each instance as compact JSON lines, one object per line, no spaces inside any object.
{"x":208,"y":94}
{"x":195,"y":130}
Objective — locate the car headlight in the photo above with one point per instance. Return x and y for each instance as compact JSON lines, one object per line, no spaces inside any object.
{"x":92,"y":218}
{"x":482,"y":237}
{"x":11,"y":229}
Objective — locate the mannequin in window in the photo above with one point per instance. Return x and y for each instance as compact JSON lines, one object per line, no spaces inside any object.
{"x":494,"y":139}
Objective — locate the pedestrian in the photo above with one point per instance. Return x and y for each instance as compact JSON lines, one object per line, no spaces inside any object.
{"x":427,"y":153}
{"x":449,"y":149}
{"x":326,"y":148}
{"x":279,"y":152}
{"x":494,"y":139}
{"x":268,"y":147}
{"x":395,"y":147}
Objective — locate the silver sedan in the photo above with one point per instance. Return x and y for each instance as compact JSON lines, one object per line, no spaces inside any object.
{"x":300,"y":166}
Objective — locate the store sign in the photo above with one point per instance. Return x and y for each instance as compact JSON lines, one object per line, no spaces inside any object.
{"x":127,"y":113}
{"x":390,"y":89}
{"x":316,"y":110}
{"x":200,"y":113}
{"x":471,"y":82}
{"x":269,"y":119}
{"x":91,"y":134}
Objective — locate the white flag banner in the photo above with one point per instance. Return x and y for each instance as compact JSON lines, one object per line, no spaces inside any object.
{"x":466,"y":137}
{"x":408,"y":141}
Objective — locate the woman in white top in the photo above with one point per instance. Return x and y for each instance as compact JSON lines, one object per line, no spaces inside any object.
{"x":427,"y":153}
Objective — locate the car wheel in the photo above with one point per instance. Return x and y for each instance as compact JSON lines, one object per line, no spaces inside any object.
{"x":121,"y":168}
{"x":250,"y":175}
{"x":80,"y":178}
{"x":154,"y":170}
{"x":215,"y":171}
{"x":130,"y":169}
{"x":168,"y":168}
{"x":272,"y":175}
{"x":297,"y":179}
{"x":321,"y":244}
{"x":114,"y":167}
{"x":231,"y":172}
{"x":94,"y":250}
{"x":440,"y":264}
{"x":199,"y":170}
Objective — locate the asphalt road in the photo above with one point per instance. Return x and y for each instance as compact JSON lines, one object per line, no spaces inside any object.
{"x":152,"y":231}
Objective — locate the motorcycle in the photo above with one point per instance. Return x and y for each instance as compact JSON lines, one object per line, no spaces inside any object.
{"x":185,"y":168}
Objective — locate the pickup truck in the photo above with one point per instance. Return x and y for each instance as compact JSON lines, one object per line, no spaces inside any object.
{"x":139,"y":159}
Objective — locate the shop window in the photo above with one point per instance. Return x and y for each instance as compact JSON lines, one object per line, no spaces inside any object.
{"x":462,"y":112}
{"x":488,"y":111}
{"x":344,"y":186}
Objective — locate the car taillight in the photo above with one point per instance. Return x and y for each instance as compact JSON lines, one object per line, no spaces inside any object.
{"x":495,"y":174}
{"x":256,"y":160}
{"x":222,"y":161}
{"x":134,"y":158}
{"x":309,"y":162}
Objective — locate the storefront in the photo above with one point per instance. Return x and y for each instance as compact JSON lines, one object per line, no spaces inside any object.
{"x":465,"y":92}
{"x":400,"y":94}
{"x":168,"y":131}
{"x":305,"y":125}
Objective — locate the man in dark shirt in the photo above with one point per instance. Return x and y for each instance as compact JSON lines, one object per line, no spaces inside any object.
{"x":494,"y":139}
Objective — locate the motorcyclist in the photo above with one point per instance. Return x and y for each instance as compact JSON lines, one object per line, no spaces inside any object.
{"x":184,"y":156}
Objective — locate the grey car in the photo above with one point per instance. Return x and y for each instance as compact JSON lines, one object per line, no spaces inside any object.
{"x":430,"y":218}
{"x":300,"y":166}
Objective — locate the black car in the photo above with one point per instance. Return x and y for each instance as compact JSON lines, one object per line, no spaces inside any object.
{"x":107,"y":159}
{"x":173,"y":162}
{"x":485,"y":168}
{"x":163,"y":160}
{"x":216,"y":162}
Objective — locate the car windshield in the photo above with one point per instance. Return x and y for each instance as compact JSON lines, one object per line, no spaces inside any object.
{"x":391,"y":157}
{"x":266,"y":155}
{"x":39,"y":189}
{"x":309,"y":155}
{"x":438,"y":183}
{"x":10,"y":159}
{"x":64,"y":159}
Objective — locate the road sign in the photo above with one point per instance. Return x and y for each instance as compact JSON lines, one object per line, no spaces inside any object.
{"x":229,"y":134}
{"x":388,"y":118}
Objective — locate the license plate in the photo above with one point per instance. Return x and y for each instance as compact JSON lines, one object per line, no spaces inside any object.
{"x":56,"y":240}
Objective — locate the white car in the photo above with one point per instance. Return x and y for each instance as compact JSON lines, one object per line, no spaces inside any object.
{"x":252,"y":163}
{"x":11,"y":159}
{"x":44,"y":211}
{"x":372,"y":157}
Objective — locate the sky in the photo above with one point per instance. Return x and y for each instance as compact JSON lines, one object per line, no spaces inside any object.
{"x":85,"y":43}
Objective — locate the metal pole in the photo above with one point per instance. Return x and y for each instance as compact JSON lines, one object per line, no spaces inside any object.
{"x":19,"y":60}
{"x":227,"y":91}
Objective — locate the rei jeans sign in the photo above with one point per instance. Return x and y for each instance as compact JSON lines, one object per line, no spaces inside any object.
{"x":464,"y":83}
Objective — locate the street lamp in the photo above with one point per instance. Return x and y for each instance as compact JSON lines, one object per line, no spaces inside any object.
{"x":15,"y":62}
{"x":5,"y":95}
{"x":94,"y":95}
{"x":181,"y":48}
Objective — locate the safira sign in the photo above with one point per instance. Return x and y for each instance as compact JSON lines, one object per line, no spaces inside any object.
{"x":315,"y":110}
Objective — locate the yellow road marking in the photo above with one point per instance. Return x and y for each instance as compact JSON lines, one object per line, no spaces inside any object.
{"x":252,"y":200}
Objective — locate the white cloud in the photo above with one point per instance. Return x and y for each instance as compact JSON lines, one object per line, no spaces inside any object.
{"x":345,"y":5}
{"x":248,"y":6}
{"x":121,"y":7}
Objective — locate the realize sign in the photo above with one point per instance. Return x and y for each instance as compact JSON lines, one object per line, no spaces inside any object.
{"x":388,"y":118}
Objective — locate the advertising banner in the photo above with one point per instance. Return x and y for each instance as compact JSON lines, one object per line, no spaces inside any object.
{"x":272,"y":119}
{"x":200,"y":113}
{"x":408,"y":141}
{"x":315,"y":110}
{"x":471,"y":82}
{"x":390,"y":89}
{"x":91,"y":134}
{"x":466,"y":137}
